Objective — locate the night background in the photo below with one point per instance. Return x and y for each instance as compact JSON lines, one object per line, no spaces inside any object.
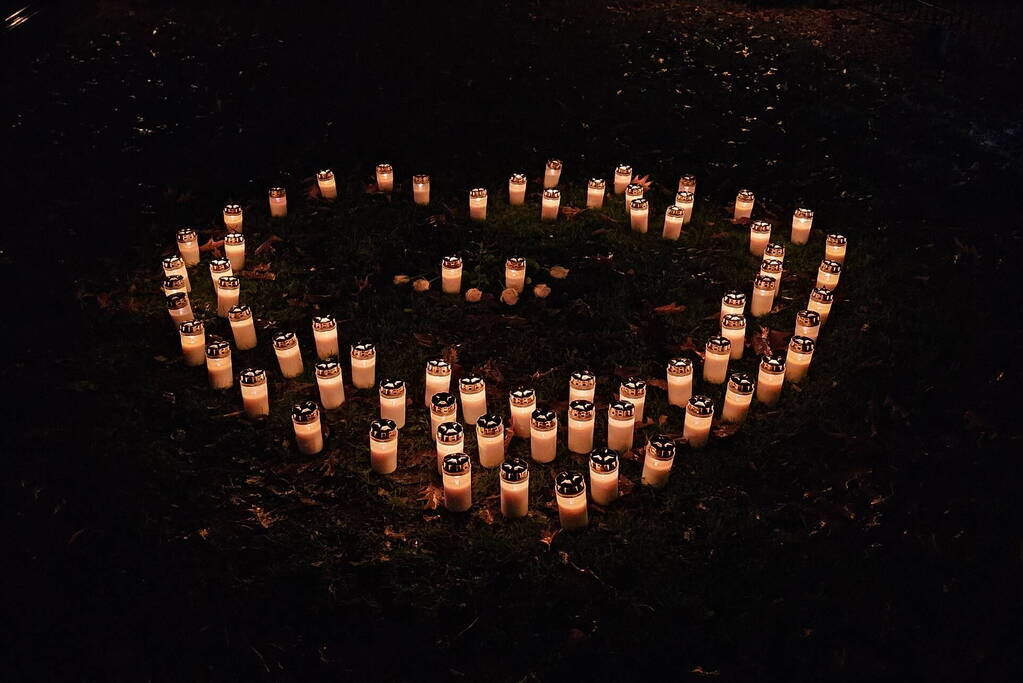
{"x":866,"y":528}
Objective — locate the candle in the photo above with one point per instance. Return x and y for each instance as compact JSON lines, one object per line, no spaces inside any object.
{"x":673,"y":219}
{"x":582,"y":385}
{"x":764,"y":287}
{"x":581,"y":418}
{"x":687,"y":183}
{"x":570,"y":491}
{"x":515,"y":488}
{"x":383,"y":446}
{"x":821,"y":299}
{"x":773,"y":268}
{"x":699,"y":415}
{"x":421,"y":189}
{"x":327,"y":184}
{"x":218,"y":365}
{"x":219,"y":267}
{"x":392,"y":401}
{"x":289,"y":356}
{"x":242,"y":327}
{"x":743,"y":205}
{"x":808,"y":324}
{"x":770,"y":379}
{"x":759,"y":237}
{"x":552,"y":173}
{"x":685,"y":201}
{"x":549,"y":206}
{"x":802,"y":219}
{"x":385,"y":178}
{"x":328,"y":380}
{"x":733,"y":302}
{"x":632,"y":191}
{"x":305,"y":418}
{"x":521,"y":400}
{"x":715,"y":363}
{"x":451,"y":274}
{"x":175,"y":265}
{"x":515,"y":273}
{"x":680,"y":381}
{"x":543,"y":435}
{"x":623,"y":177}
{"x":733,"y":328}
{"x":450,"y":439}
{"x":233,"y":217}
{"x":834,"y":248}
{"x":172,"y":284}
{"x":517,"y":189}
{"x":193,"y":342}
{"x":234,"y":247}
{"x":660,"y":454}
{"x":775,"y":251}
{"x":638,"y":214}
{"x":364,"y":364}
{"x":633,"y":390}
{"x":457,"y":482}
{"x":443,"y":409}
{"x":255,"y":397}
{"x":595,"y":193}
{"x":472,"y":391}
{"x":438,"y":378}
{"x":228,"y":292}
{"x":490,"y":439}
{"x":797,"y":361}
{"x":179,"y":308}
{"x":188,"y":246}
{"x":621,"y":422}
{"x":278,"y":202}
{"x":478,"y":204}
{"x":738,"y":396}
{"x":603,"y":475}
{"x":325,"y":336}
{"x":828,"y":274}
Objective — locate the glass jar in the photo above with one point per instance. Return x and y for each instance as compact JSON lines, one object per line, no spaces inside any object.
{"x":515,"y":274}
{"x":478,"y":204}
{"x":685,"y":201}
{"x":228,"y":294}
{"x":219,"y":267}
{"x":328,"y":186}
{"x":595,"y":193}
{"x":582,"y":386}
{"x":639,"y":214}
{"x":633,"y":390}
{"x":552,"y":173}
{"x":775,"y":251}
{"x":385,"y":178}
{"x":517,"y":189}
{"x":438,"y":378}
{"x":175,"y":265}
{"x":673,"y":218}
{"x":472,"y":390}
{"x":451,"y":274}
{"x":743,"y":205}
{"x":233,"y":217}
{"x":550,"y":204}
{"x":733,"y":302}
{"x":188,"y":246}
{"x":834,"y":248}
{"x":172,"y":284}
{"x":632,"y":191}
{"x":234,"y":247}
{"x":179,"y":308}
{"x":450,"y":439}
{"x":797,"y":361}
{"x":764,"y":288}
{"x":623,"y":177}
{"x":759,"y":237}
{"x":443,"y":408}
{"x":808,"y":324}
{"x":821,"y":299}
{"x":828,"y":274}
{"x":421,"y":189}
{"x":802,"y":221}
{"x":278,"y":202}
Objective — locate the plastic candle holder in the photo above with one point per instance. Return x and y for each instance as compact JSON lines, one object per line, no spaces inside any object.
{"x":603,"y":475}
{"x":680,"y":381}
{"x":385,"y":178}
{"x":330,"y":384}
{"x":582,"y":385}
{"x":327,"y":184}
{"x":808,"y":324}
{"x":443,"y":409}
{"x":172,"y":284}
{"x":220,"y":267}
{"x":188,"y":246}
{"x":623,"y":177}
{"x":715,"y":362}
{"x":514,"y":488}
{"x":255,"y":397}
{"x":581,"y":419}
{"x":243,"y":329}
{"x":193,"y":342}
{"x":834,"y":248}
{"x":828,"y":274}
{"x":685,"y":201}
{"x":457,"y":475}
{"x":392,"y":401}
{"x":472,"y":391}
{"x":364,"y":364}
{"x":632,"y":191}
{"x":305,"y":419}
{"x":522,"y":401}
{"x":633,"y":390}
{"x":437,"y":378}
{"x":733,"y":302}
{"x":550,"y":204}
{"x":759,"y":237}
{"x":179,"y":308}
{"x":450,"y":439}
{"x":802,"y":221}
{"x":228,"y":292}
{"x":175,"y":265}
{"x":289,"y":356}
{"x":797,"y":360}
{"x":383,"y":446}
{"x":733,"y":328}
{"x":699,"y":415}
{"x":490,"y":440}
{"x":515,"y":274}
{"x":570,"y":491}
{"x":659,"y":456}
{"x":738,"y":397}
{"x":687,"y":183}
{"x":325,"y":336}
{"x":234,"y":247}
{"x":775,"y":251}
{"x":770,"y":379}
{"x":421,"y":189}
{"x":773,"y":268}
{"x":278,"y":202}
{"x":595,"y":193}
{"x":621,"y":423}
{"x":639,"y":214}
{"x":218,"y":365}
{"x":233,"y":218}
{"x":821,"y":299}
{"x":764,"y":288}
{"x":451,"y":274}
{"x":674,"y":216}
{"x":517,"y":189}
{"x":478,"y":204}
{"x":543,"y":435}
{"x":743,"y":205}
{"x":552,"y":173}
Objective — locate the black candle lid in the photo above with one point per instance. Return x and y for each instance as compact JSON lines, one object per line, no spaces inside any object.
{"x":489,"y":424}
{"x":603,"y":459}
{"x":322,"y":323}
{"x":449,"y":432}
{"x":569,"y":483}
{"x":456,"y":463}
{"x":515,"y":469}
{"x":661,"y":447}
{"x":383,"y":429}
{"x":305,"y":412}
{"x":442,"y":400}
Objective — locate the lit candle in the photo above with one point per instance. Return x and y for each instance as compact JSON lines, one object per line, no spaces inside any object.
{"x":633,"y":390}
{"x":328,"y":186}
{"x":472,"y":391}
{"x":680,"y":381}
{"x":421,"y":189}
{"x":638,"y":214}
{"x":802,"y":220}
{"x":364,"y":364}
{"x":685,"y":201}
{"x":834,"y":248}
{"x":233,"y":218}
{"x":773,"y":268}
{"x":660,"y":455}
{"x":193,"y":342}
{"x":172,"y":284}
{"x":438,"y":378}
{"x":582,"y":385}
{"x":450,"y":439}
{"x":278,"y":202}
{"x":328,"y":380}
{"x":543,"y":435}
{"x":478,"y":204}
{"x":595,"y":193}
{"x":550,"y":204}
{"x":325,"y":336}
{"x":522,"y":401}
{"x":490,"y":439}
{"x":621,"y":422}
{"x":733,"y":328}
{"x":828,"y":274}
{"x":517,"y":189}
{"x":687,"y":183}
{"x":570,"y":491}
{"x":738,"y":396}
{"x":603,"y":475}
{"x":234,"y":247}
{"x":515,"y":273}
{"x":385,"y":178}
{"x":632,"y":191}
{"x":715,"y":363}
{"x":188,"y":246}
{"x":743,"y":205}
{"x":759,"y":237}
{"x":552,"y":173}
{"x":673,"y":219}
{"x":243,"y":329}
{"x":175,"y":265}
{"x":821,"y":299}
{"x":220,"y":267}
{"x":179,"y":308}
{"x":443,"y":409}
{"x":581,"y":419}
{"x":808,"y":324}
{"x":457,"y":482}
{"x":797,"y":361}
{"x":383,"y":446}
{"x":289,"y":356}
{"x":451,"y":274}
{"x":764,"y":287}
{"x":623,"y":177}
{"x":218,"y":365}
{"x":733,"y":302}
{"x":515,"y":488}
{"x":699,"y":415}
{"x":392,"y":401}
{"x":770,"y":379}
{"x":305,"y":418}
{"x":228,"y":292}
{"x":255,"y":397}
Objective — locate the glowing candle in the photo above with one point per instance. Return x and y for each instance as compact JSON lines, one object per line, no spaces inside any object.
{"x":680,"y":381}
{"x":218,"y":365}
{"x":233,"y":218}
{"x":621,"y":422}
{"x":325,"y":336}
{"x":639,"y":214}
{"x":385,"y":178}
{"x":517,"y":189}
{"x":759,"y":237}
{"x":797,"y":361}
{"x":421,"y":189}
{"x":581,"y":419}
{"x":515,"y":273}
{"x":773,"y":268}
{"x":364,"y":364}
{"x":438,"y":378}
{"x":595,"y":193}
{"x":451,"y":274}
{"x":802,"y":220}
{"x":255,"y":397}
{"x":188,"y":246}
{"x":808,"y":324}
{"x":278,"y":202}
{"x":764,"y":287}
{"x":733,"y":302}
{"x":673,"y":219}
{"x":733,"y":328}
{"x":457,"y":482}
{"x":552,"y":173}
{"x":687,"y":183}
{"x":478,"y":204}
{"x":550,"y":204}
{"x":715,"y":363}
{"x":392,"y":401}
{"x":328,"y":380}
{"x":570,"y":491}
{"x":743,"y":205}
{"x":828,"y":274}
{"x":193,"y":342}
{"x":228,"y":292}
{"x":243,"y":329}
{"x":305,"y":419}
{"x":234,"y":247}
{"x":834,"y":248}
{"x":543,"y":435}
{"x":220,"y":267}
{"x":175,"y":265}
{"x":582,"y":385}
{"x":623,"y":177}
{"x":522,"y":401}
{"x":443,"y":409}
{"x":699,"y":415}
{"x":490,"y":439}
{"x":685,"y":201}
{"x":632,"y":191}
{"x":821,"y":299}
{"x":289,"y":356}
{"x":515,"y":488}
{"x":472,"y":391}
{"x":327,"y":184}
{"x":603,"y":475}
{"x":770,"y":379}
{"x":659,"y":457}
{"x":450,"y":439}
{"x":172,"y":284}
{"x":179,"y":308}
{"x":738,"y":397}
{"x":633,"y":390}
{"x":383,"y":446}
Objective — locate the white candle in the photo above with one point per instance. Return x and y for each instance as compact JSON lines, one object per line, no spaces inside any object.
{"x":392,"y":401}
{"x":550,"y":204}
{"x":443,"y":409}
{"x":673,"y":218}
{"x":478,"y":204}
{"x":172,"y":284}
{"x":552,"y":173}
{"x":451,"y":274}
{"x":234,"y":247}
{"x":797,"y":361}
{"x":490,"y":440}
{"x":738,"y":397}
{"x":821,"y":299}
{"x":278,"y":202}
{"x":255,"y":397}
{"x":733,"y":302}
{"x":289,"y":356}
{"x":773,"y":268}
{"x":515,"y":273}
{"x":581,"y":419}
{"x":218,"y":365}
{"x":472,"y":391}
{"x":457,"y":476}
{"x":570,"y":491}
{"x":515,"y":488}
{"x":582,"y":386}
{"x":219,"y":267}
{"x":188,"y":246}
{"x":330,"y":384}
{"x":633,"y":390}
{"x":383,"y":446}
{"x":595,"y":193}
{"x":733,"y":328}
{"x":759,"y":237}
{"x":623,"y":177}
{"x":743,"y":205}
{"x":517,"y":189}
{"x":521,"y":401}
{"x":764,"y":287}
{"x":808,"y":324}
{"x":680,"y":381}
{"x":175,"y":265}
{"x":828,"y":274}
{"x":715,"y":362}
{"x":699,"y":415}
{"x":243,"y":329}
{"x":543,"y":435}
{"x":603,"y":476}
{"x":438,"y":378}
{"x":685,"y":201}
{"x":450,"y":439}
{"x":775,"y":251}
{"x":228,"y":293}
{"x":621,"y":423}
{"x":770,"y":379}
{"x":193,"y":342}
{"x":233,"y":218}
{"x":687,"y":183}
{"x":421,"y":189}
{"x":385,"y":178}
{"x":179,"y":308}
{"x":802,"y":220}
{"x":659,"y":456}
{"x":327,"y":184}
{"x":364,"y":364}
{"x":325,"y":336}
{"x":632,"y":191}
{"x":305,"y":418}
{"x":834,"y":248}
{"x":639,"y":214}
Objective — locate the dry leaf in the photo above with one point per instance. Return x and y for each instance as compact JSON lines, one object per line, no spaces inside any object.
{"x":265,"y":519}
{"x":425,"y":339}
{"x":267,"y":247}
{"x":485,"y":515}
{"x":668,"y":309}
{"x":548,"y":535}
{"x":723,"y":430}
{"x":401,"y":279}
{"x":431,"y":495}
{"x":643,"y":180}
{"x":761,"y":342}
{"x":659,"y":383}
{"x":570,"y":212}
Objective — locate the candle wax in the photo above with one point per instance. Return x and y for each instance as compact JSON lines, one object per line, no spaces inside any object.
{"x":656,"y":471}
{"x":220,"y":372}
{"x":516,"y":194}
{"x":278,"y":206}
{"x":309,"y":437}
{"x":572,"y":511}
{"x":743,"y":209}
{"x":580,"y":435}
{"x":436,"y":384}
{"x":696,"y":430}
{"x":421,"y":193}
{"x":672,"y":227}
{"x":680,"y":389}
{"x":193,"y":347}
{"x":515,"y":498}
{"x":762,"y":303}
{"x":738,"y":338}
{"x":576,"y":394}
{"x":393,"y":408}
{"x":457,"y":492}
{"x":797,"y":365}
{"x":364,"y":372}
{"x":491,"y":450}
{"x":255,"y":400}
{"x":594,"y":197}
{"x":736,"y":406}
{"x":549,"y":208}
{"x":758,"y":242}
{"x":543,"y":444}
{"x":447,"y":449}
{"x":801,"y":230}
{"x":520,"y":419}
{"x":715,"y":367}
{"x":244,"y":333}
{"x":515,"y":279}
{"x":290,"y":361}
{"x":638,"y":219}
{"x":383,"y":455}
{"x":236,"y":255}
{"x":326,"y":343}
{"x":769,"y":386}
{"x":473,"y":405}
{"x":620,"y":434}
{"x":226,"y":300}
{"x":328,"y":187}
{"x":603,"y":486}
{"x":332,"y":392}
{"x":451,"y":280}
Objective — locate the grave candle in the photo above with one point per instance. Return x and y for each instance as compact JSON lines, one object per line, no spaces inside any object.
{"x":289,"y":356}
{"x":685,"y":201}
{"x":325,"y":336}
{"x":715,"y":363}
{"x":175,"y":265}
{"x":450,"y":439}
{"x":582,"y":385}
{"x":797,"y":361}
{"x":392,"y":401}
{"x":522,"y":401}
{"x":733,"y":302}
{"x":421,"y":189}
{"x":802,"y":220}
{"x":438,"y":378}
{"x":570,"y":491}
{"x":775,"y":251}
{"x":743,"y":205}
{"x":234,"y":247}
{"x":385,"y":178}
{"x":243,"y":329}
{"x":490,"y":439}
{"x":772,"y":268}
{"x":451,"y":274}
{"x":228,"y":292}
{"x":621,"y":422}
{"x":680,"y":381}
{"x":328,"y":380}
{"x":552,"y":173}
{"x":808,"y":324}
{"x":515,"y":273}
{"x":517,"y":189}
{"x":233,"y":217}
{"x":515,"y":488}
{"x":172,"y":284}
{"x":764,"y":287}
{"x":278,"y":202}
{"x":639,"y":213}
{"x":383,"y":446}
{"x":478,"y":204}
{"x":581,"y":419}
{"x":673,"y":218}
{"x":443,"y":409}
{"x":218,"y":365}
{"x":551,"y":203}
{"x":327,"y":184}
{"x":699,"y":415}
{"x":770,"y":379}
{"x":543,"y":435}
{"x":733,"y":328}
{"x":687,"y":183}
{"x":834,"y":248}
{"x":633,"y":390}
{"x":759,"y":237}
{"x":179,"y":308}
{"x":188,"y":246}
{"x":305,"y":419}
{"x":255,"y":397}
{"x":828,"y":274}
{"x":623,"y":177}
{"x":457,"y":482}
{"x":219,"y":267}
{"x":603,"y":475}
{"x":738,"y":397}
{"x":660,"y":455}
{"x":193,"y":342}
{"x":364,"y":364}
{"x":472,"y":391}
{"x":821,"y":299}
{"x":632,"y":191}
{"x":595,"y":193}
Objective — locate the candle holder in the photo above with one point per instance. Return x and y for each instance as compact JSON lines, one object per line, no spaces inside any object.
{"x":514,"y":488}
{"x":639,"y":213}
{"x":660,"y":455}
{"x":828,"y":274}
{"x":808,"y":324}
{"x":715,"y":362}
{"x":764,"y":288}
{"x":478,"y":204}
{"x":603,"y":475}
{"x":234,"y":247}
{"x":278,"y":202}
{"x":443,"y":409}
{"x":305,"y":419}
{"x":821,"y":299}
{"x":773,"y":268}
{"x":175,"y":265}
{"x":421,"y":189}
{"x":472,"y":391}
{"x":738,"y":397}
{"x":228,"y":293}
{"x":743,"y":205}
{"x":515,"y":274}
{"x":172,"y":284}
{"x":218,"y":365}
{"x":621,"y":423}
{"x":219,"y":267}
{"x":623,"y":178}
{"x":325,"y":336}
{"x":581,"y":419}
{"x":383,"y":446}
{"x":517,"y":189}
{"x":759,"y":237}
{"x":674,"y":216}
{"x":490,"y":439}
{"x":733,"y":302}
{"x":582,"y":386}
{"x":392,"y":401}
{"x":687,"y":183}
{"x":179,"y":308}
{"x":364,"y":364}
{"x":775,"y":251}
{"x":802,"y":221}
{"x":385,"y":178}
{"x":450,"y":439}
{"x":522,"y":401}
{"x":570,"y":491}
{"x":632,"y":191}
{"x":543,"y":433}
{"x":327,"y":184}
{"x":834,"y":248}
{"x":289,"y":356}
{"x":243,"y":329}
{"x":699,"y":415}
{"x":255,"y":397}
{"x":550,"y":204}
{"x":188,"y":246}
{"x":328,"y":380}
{"x":797,"y":361}
{"x":552,"y":173}
{"x":451,"y":274}
{"x":595,"y":193}
{"x":733,"y":328}
{"x":233,"y":217}
{"x":193,"y":342}
{"x":685,"y":201}
{"x":438,"y":378}
{"x":770,"y":378}
{"x":633,"y":390}
{"x":457,"y":476}
{"x":680,"y":381}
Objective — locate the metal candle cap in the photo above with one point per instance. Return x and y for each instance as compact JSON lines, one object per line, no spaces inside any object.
{"x":822,"y":295}
{"x":457,"y":463}
{"x":218,"y":349}
{"x":803,"y":213}
{"x":543,"y":418}
{"x":363,"y":350}
{"x":765,"y":282}
{"x":235,"y":239}
{"x":687,"y":180}
{"x":700,"y":406}
{"x":324,"y":323}
{"x":228,"y":282}
{"x":733,"y":321}
{"x":808,"y":318}
{"x":517,"y":179}
{"x":829,"y":266}
{"x":552,"y":193}
{"x":421,"y":179}
{"x":174,"y":282}
{"x":186,"y":235}
{"x":191,"y":327}
{"x":680,"y":367}
{"x":660,"y":447}
{"x":596,"y":183}
{"x":836,"y":240}
{"x":252,"y":377}
{"x":740,"y":383}
{"x":232,"y":210}
{"x":438,"y":367}
{"x":624,"y":169}
{"x":478,"y":193}
{"x":328,"y":369}
{"x":745,"y":196}
{"x":634,"y":189}
{"x":515,"y":469}
{"x":451,"y":262}
{"x":734,"y":298}
{"x":685,"y":197}
{"x":325,"y":174}
{"x":384,"y":168}
{"x":633,"y":387}
{"x":471,"y":384}
{"x":674,"y":211}
{"x":640,"y":204}
{"x":603,"y":460}
{"x":285,"y":340}
{"x":581,"y":410}
{"x":773,"y":364}
{"x":239,"y":313}
{"x":219,"y":265}
{"x":383,"y":429}
{"x":760,"y":226}
{"x":771,"y":265}
{"x":305,"y":412}
{"x":621,"y":409}
{"x":392,"y":388}
{"x":515,"y":263}
{"x":177,"y":300}
{"x":278,"y":192}
{"x":173,"y":263}
{"x":775,"y":251}
{"x":719,"y":344}
{"x":442,"y":402}
{"x":569,"y":483}
{"x":554,"y":164}
{"x":450,"y":432}
{"x":800,"y":344}
{"x":489,"y":424}
{"x":582,"y":379}
{"x":522,"y":396}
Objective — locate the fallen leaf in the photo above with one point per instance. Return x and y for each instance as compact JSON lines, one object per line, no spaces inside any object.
{"x":548,"y":535}
{"x":425,"y":339}
{"x":669,"y":309}
{"x":723,"y":430}
{"x":570,"y":212}
{"x":485,"y":515}
{"x":267,"y":247}
{"x":431,"y":495}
